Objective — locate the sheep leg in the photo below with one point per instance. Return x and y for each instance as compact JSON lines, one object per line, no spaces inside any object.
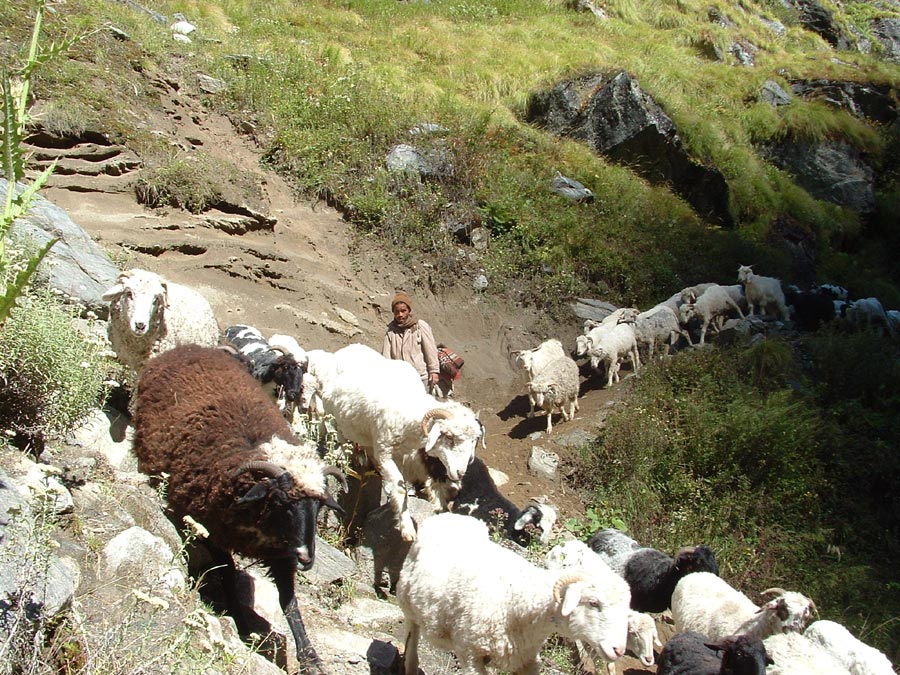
{"x":703,"y":333}
{"x":471,"y":664}
{"x":395,"y":487}
{"x":411,"y":651}
{"x":549,"y":420}
{"x":283,"y":571}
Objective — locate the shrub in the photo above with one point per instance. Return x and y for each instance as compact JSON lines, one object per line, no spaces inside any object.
{"x":50,"y":375}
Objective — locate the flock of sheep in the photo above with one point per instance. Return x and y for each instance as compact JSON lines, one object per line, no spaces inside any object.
{"x":213,"y":411}
{"x":626,"y":333}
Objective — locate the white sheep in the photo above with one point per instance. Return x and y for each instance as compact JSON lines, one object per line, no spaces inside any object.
{"x":854,"y":654}
{"x":149,"y":315}
{"x":380,"y":404}
{"x":762,"y":292}
{"x":490,"y":606}
{"x":620,"y":315}
{"x":555,"y":387}
{"x":707,"y":604}
{"x":533,"y":361}
{"x":794,"y":654}
{"x":710,"y":308}
{"x":610,"y":347}
{"x":868,"y":312}
{"x":658,"y":325}
{"x":689,"y":295}
{"x":643,"y":635}
{"x":893,"y":319}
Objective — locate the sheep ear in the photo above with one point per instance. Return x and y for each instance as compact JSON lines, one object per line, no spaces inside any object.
{"x":571,"y":599}
{"x":523,"y":520}
{"x":113,"y":293}
{"x":433,"y":435}
{"x":257,"y":492}
{"x":333,"y":505}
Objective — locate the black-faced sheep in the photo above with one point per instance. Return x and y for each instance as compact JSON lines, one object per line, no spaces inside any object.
{"x":651,"y":574}
{"x":480,"y":497}
{"x":694,"y":654}
{"x":233,"y":465}
{"x":149,"y":315}
{"x":275,"y":368}
{"x":555,"y":387}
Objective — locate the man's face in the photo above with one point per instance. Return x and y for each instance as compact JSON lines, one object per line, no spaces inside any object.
{"x":401,"y":311}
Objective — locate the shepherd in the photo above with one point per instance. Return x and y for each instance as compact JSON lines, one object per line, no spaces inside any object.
{"x":410,"y":339}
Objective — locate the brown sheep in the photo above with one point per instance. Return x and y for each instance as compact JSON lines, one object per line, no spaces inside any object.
{"x":233,"y":465}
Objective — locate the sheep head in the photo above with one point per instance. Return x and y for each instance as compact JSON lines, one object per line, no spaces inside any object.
{"x":279,"y":497}
{"x":451,"y":436}
{"x":141,"y":297}
{"x":793,"y":610}
{"x":596,"y":613}
{"x":744,"y":273}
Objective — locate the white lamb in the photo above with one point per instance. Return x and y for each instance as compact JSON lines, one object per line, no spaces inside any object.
{"x":535,"y":359}
{"x":642,"y":632}
{"x":762,"y":293}
{"x":490,"y":606}
{"x":149,"y":315}
{"x":555,"y":387}
{"x":658,"y":325}
{"x":380,"y":404}
{"x":707,"y":604}
{"x":710,"y":308}
{"x":854,"y":654}
{"x":610,"y":347}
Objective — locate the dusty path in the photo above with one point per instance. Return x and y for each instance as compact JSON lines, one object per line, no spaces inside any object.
{"x":285,"y":267}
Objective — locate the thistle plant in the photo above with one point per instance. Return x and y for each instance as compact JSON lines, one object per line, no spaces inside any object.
{"x":14,"y":92}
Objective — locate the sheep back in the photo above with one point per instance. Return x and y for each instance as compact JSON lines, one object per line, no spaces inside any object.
{"x":199,"y":417}
{"x":707,"y":604}
{"x":854,"y":654}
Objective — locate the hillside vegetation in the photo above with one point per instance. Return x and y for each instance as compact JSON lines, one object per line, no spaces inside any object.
{"x":328,"y":88}
{"x":783,"y":457}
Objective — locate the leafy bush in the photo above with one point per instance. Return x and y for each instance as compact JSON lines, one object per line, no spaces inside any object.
{"x":50,"y":375}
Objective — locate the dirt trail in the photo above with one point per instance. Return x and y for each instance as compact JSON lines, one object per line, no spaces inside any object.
{"x":286,"y":267}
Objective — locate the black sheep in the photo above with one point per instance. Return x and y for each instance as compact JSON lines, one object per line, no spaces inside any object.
{"x":694,"y":654}
{"x":277,"y":371}
{"x":651,"y":574}
{"x":233,"y":465}
{"x":479,"y":496}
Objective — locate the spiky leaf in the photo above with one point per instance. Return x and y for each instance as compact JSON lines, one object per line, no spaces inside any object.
{"x":11,"y":143}
{"x":14,"y":290}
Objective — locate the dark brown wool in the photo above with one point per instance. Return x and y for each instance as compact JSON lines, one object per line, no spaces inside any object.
{"x":199,"y":417}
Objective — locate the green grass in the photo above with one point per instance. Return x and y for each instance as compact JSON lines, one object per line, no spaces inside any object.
{"x":780,"y":457}
{"x":336,"y":84}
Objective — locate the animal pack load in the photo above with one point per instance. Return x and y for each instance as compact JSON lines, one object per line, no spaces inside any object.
{"x":450,"y":362}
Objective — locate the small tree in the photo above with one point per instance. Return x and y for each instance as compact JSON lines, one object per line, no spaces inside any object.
{"x":15,"y":88}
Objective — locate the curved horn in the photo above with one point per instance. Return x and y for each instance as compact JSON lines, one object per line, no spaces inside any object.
{"x":813,"y":607}
{"x":268,"y":468}
{"x":434,"y":413}
{"x":337,"y":473}
{"x":773,"y":591}
{"x":565,"y":580}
